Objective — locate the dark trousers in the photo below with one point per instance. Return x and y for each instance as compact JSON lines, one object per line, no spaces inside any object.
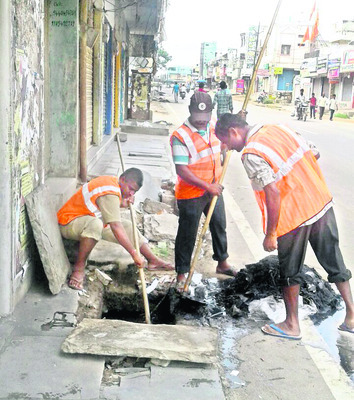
{"x":313,"y":111}
{"x":321,"y":112}
{"x":331,"y":114}
{"x":190,"y":211}
{"x":323,"y":237}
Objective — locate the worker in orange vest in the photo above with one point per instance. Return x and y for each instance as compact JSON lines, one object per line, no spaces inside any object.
{"x":196,"y":155}
{"x":296,"y":207}
{"x":80,"y":219}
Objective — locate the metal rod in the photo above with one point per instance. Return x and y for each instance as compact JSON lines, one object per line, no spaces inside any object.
{"x":136,"y":244}
{"x":227,"y":159}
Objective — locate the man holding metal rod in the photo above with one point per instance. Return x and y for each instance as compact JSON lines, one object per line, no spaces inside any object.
{"x":80,"y":219}
{"x":196,"y":154}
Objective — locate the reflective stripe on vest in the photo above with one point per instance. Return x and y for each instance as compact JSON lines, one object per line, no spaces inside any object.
{"x":83,"y":202}
{"x":88,"y":196}
{"x":204,"y":160}
{"x":303,"y":191}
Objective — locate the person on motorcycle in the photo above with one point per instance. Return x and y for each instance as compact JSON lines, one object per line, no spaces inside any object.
{"x":299,"y":103}
{"x":182,"y":91}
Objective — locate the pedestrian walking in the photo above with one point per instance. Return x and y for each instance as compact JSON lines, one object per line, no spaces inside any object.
{"x":322,"y":102}
{"x":201,"y":88}
{"x":196,"y":155}
{"x":296,"y":208}
{"x":175,"y":91}
{"x":333,"y":106}
{"x":313,"y":101}
{"x":223,"y":100}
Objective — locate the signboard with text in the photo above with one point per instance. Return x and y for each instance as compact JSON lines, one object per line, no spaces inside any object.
{"x":240,"y":86}
{"x":347,"y":64}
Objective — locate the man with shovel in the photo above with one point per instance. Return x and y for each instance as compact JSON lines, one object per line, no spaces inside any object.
{"x":196,"y":154}
{"x":297,"y":208}
{"x":80,"y":219}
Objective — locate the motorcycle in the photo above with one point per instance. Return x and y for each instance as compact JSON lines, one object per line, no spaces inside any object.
{"x":301,"y":109}
{"x":182,"y":94}
{"x":262,"y":97}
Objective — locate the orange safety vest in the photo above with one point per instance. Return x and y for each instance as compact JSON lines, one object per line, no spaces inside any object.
{"x":83,"y":202}
{"x":205,"y":160}
{"x":303,"y":190}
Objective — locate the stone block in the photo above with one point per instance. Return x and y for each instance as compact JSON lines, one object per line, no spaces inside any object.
{"x":47,"y":235}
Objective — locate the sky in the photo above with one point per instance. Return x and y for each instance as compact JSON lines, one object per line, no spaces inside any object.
{"x":188,"y":23}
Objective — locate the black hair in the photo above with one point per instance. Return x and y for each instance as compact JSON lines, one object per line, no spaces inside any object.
{"x":223,"y":85}
{"x":227,"y":121}
{"x":135,"y":175}
{"x":201,"y":85}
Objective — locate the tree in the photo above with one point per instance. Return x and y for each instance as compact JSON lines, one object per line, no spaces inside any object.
{"x":162,"y":59}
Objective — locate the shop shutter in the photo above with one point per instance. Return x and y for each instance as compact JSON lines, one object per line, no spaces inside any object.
{"x":89,"y":96}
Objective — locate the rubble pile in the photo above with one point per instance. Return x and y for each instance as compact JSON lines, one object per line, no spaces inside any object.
{"x":260,"y":280}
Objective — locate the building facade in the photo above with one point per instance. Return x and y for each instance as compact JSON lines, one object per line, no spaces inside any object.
{"x":65,"y":68}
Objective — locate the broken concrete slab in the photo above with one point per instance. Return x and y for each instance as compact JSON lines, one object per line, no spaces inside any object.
{"x":160,"y":227}
{"x":156,"y":207}
{"x":173,"y":383}
{"x":122,"y":338}
{"x":48,"y":238}
{"x":108,"y":253}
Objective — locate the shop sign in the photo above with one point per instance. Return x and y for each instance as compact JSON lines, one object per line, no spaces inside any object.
{"x":347,"y":64}
{"x":304,"y":68}
{"x":262,"y":72}
{"x":322,"y":65}
{"x":333,"y":68}
{"x":240,"y":85}
{"x":312,"y":66}
{"x":278,"y":70}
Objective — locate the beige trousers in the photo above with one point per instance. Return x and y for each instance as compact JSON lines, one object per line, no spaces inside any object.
{"x":92,"y":227}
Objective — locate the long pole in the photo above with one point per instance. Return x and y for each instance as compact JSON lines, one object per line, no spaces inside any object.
{"x":228,"y":155}
{"x":136,"y":244}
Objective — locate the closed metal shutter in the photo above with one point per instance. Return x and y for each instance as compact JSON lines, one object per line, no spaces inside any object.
{"x":104,"y":87}
{"x":89,"y":96}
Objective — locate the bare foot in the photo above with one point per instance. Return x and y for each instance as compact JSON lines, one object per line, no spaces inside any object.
{"x":225,"y":268}
{"x":160,"y":265}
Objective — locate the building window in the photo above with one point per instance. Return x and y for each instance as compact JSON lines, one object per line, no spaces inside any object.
{"x":285,"y":49}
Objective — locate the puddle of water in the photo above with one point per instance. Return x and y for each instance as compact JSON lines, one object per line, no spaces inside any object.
{"x":340,"y":345}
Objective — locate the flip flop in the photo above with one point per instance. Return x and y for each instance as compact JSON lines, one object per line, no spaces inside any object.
{"x":162,"y":267}
{"x":343,"y":327}
{"x":232,"y":271}
{"x":280,"y":333}
{"x":76,"y":283}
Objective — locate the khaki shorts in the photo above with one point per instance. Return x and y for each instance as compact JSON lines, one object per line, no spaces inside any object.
{"x":92,"y":227}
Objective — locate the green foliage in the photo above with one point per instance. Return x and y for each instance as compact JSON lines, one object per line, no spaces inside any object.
{"x":341,"y":115}
{"x":162,"y":59}
{"x":268,"y":101}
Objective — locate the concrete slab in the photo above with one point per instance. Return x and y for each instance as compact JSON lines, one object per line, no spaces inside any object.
{"x":160,"y":227}
{"x":34,"y":314}
{"x":34,"y":368}
{"x":172,"y":383}
{"x":164,"y":342}
{"x":48,"y":238}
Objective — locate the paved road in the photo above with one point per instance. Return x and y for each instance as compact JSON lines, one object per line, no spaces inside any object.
{"x":335,"y":141}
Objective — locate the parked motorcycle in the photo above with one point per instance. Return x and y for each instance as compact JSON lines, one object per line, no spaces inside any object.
{"x":301,"y":109}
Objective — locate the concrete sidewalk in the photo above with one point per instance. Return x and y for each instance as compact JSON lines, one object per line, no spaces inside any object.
{"x":32,"y":366}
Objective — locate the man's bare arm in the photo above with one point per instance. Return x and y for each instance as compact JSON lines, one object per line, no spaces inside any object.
{"x":272,"y":195}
